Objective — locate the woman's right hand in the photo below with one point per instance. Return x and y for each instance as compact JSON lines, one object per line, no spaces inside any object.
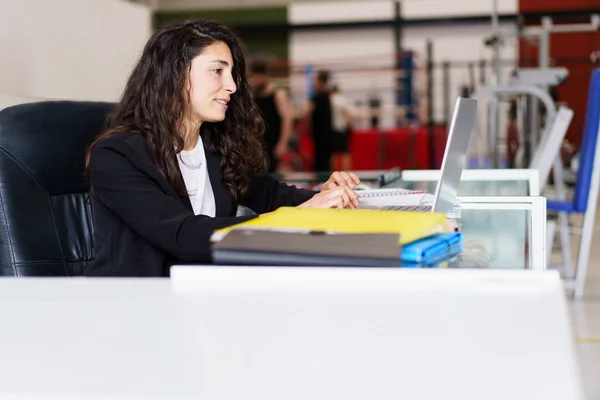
{"x":340,"y":197}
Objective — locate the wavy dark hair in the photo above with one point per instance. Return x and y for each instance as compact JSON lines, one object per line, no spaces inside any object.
{"x":155,"y":101}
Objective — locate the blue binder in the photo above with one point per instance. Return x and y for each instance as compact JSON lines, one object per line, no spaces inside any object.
{"x":431,"y":249}
{"x":440,"y":260}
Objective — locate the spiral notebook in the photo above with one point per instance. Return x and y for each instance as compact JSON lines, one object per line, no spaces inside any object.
{"x":401,"y":200}
{"x":387,"y":197}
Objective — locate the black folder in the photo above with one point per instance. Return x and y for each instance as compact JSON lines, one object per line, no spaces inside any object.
{"x":264,"y":247}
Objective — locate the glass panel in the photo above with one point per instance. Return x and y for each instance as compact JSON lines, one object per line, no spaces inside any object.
{"x":471,"y":188}
{"x":494,"y":239}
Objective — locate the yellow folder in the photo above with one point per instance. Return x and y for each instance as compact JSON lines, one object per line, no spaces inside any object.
{"x":410,"y":225}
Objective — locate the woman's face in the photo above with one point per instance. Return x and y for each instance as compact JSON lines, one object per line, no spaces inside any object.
{"x":211,"y":83}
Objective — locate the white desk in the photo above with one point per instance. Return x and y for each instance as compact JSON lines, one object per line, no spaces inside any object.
{"x":262,"y":334}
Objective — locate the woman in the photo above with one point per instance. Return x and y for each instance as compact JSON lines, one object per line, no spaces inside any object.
{"x":341,"y":129}
{"x":181,"y":151}
{"x":319,"y":110}
{"x":277,"y":112}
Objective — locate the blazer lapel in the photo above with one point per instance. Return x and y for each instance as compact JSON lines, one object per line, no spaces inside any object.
{"x":139,"y":154}
{"x":162,"y":181}
{"x":223,"y":199}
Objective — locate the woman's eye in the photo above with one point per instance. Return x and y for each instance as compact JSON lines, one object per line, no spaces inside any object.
{"x":218,"y":71}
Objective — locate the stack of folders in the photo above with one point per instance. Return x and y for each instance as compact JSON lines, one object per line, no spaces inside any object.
{"x":431,"y":251}
{"x":292,"y":236}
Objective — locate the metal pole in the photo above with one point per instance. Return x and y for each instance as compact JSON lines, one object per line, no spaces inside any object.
{"x":497,"y":42}
{"x":446,"y":96}
{"x":544,"y":43}
{"x":543,"y":62}
{"x":400,"y":86}
{"x":471,"y":79}
{"x":494,"y":122}
{"x":482,"y":72}
{"x":430,"y":123}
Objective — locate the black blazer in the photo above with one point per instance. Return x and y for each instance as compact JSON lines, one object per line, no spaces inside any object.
{"x":142,"y":226}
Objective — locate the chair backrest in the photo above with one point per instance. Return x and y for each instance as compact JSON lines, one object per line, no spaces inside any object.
{"x":46,"y":226}
{"x":587,"y":154}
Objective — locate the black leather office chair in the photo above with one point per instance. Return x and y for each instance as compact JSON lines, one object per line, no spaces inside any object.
{"x":46,"y":224}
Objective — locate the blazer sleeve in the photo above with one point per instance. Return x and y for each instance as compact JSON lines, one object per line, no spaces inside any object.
{"x":266,"y":194}
{"x":140,"y":203}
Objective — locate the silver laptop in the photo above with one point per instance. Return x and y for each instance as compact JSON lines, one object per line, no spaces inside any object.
{"x":453,"y":162}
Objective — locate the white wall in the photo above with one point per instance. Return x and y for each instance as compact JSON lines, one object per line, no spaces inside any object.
{"x":412,"y":8}
{"x":179,"y":5}
{"x":340,"y":11}
{"x":70,"y":49}
{"x":455,"y":8}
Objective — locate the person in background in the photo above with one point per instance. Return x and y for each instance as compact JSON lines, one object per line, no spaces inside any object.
{"x":182,"y":149}
{"x":319,"y":110}
{"x":342,"y":128}
{"x":276,"y":109}
{"x":512,"y":135}
{"x":375,"y":110}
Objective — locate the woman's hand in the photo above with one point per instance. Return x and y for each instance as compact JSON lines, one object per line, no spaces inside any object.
{"x":341,"y":179}
{"x":339,"y":197}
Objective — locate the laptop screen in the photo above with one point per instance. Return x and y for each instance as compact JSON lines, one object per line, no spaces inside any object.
{"x":455,"y":154}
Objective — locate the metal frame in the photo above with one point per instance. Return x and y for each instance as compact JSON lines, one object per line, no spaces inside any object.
{"x":517,"y":89}
{"x":537,"y":207}
{"x":547,"y":154}
{"x":541,"y":32}
{"x":587,"y":229}
{"x":548,"y":150}
{"x":547,"y":157}
{"x":530,"y":175}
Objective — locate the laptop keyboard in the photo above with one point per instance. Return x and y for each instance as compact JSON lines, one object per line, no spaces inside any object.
{"x":419,"y":208}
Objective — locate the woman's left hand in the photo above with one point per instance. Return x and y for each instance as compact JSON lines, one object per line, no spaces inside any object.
{"x":345,"y":180}
{"x":341,"y":179}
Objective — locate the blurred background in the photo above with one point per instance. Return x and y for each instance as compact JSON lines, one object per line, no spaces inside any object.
{"x":400,"y":65}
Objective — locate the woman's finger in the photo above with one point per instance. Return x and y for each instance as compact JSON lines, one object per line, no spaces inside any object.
{"x":333,"y":198}
{"x":344,"y":179}
{"x":337,"y":178}
{"x":352,"y":196}
{"x":345,"y":200}
{"x":347,"y":196}
{"x":343,"y":195}
{"x":335,"y":192}
{"x":348,"y":181}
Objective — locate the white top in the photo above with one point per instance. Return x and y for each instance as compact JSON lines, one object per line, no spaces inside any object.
{"x":338,"y":104}
{"x":193,"y":167}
